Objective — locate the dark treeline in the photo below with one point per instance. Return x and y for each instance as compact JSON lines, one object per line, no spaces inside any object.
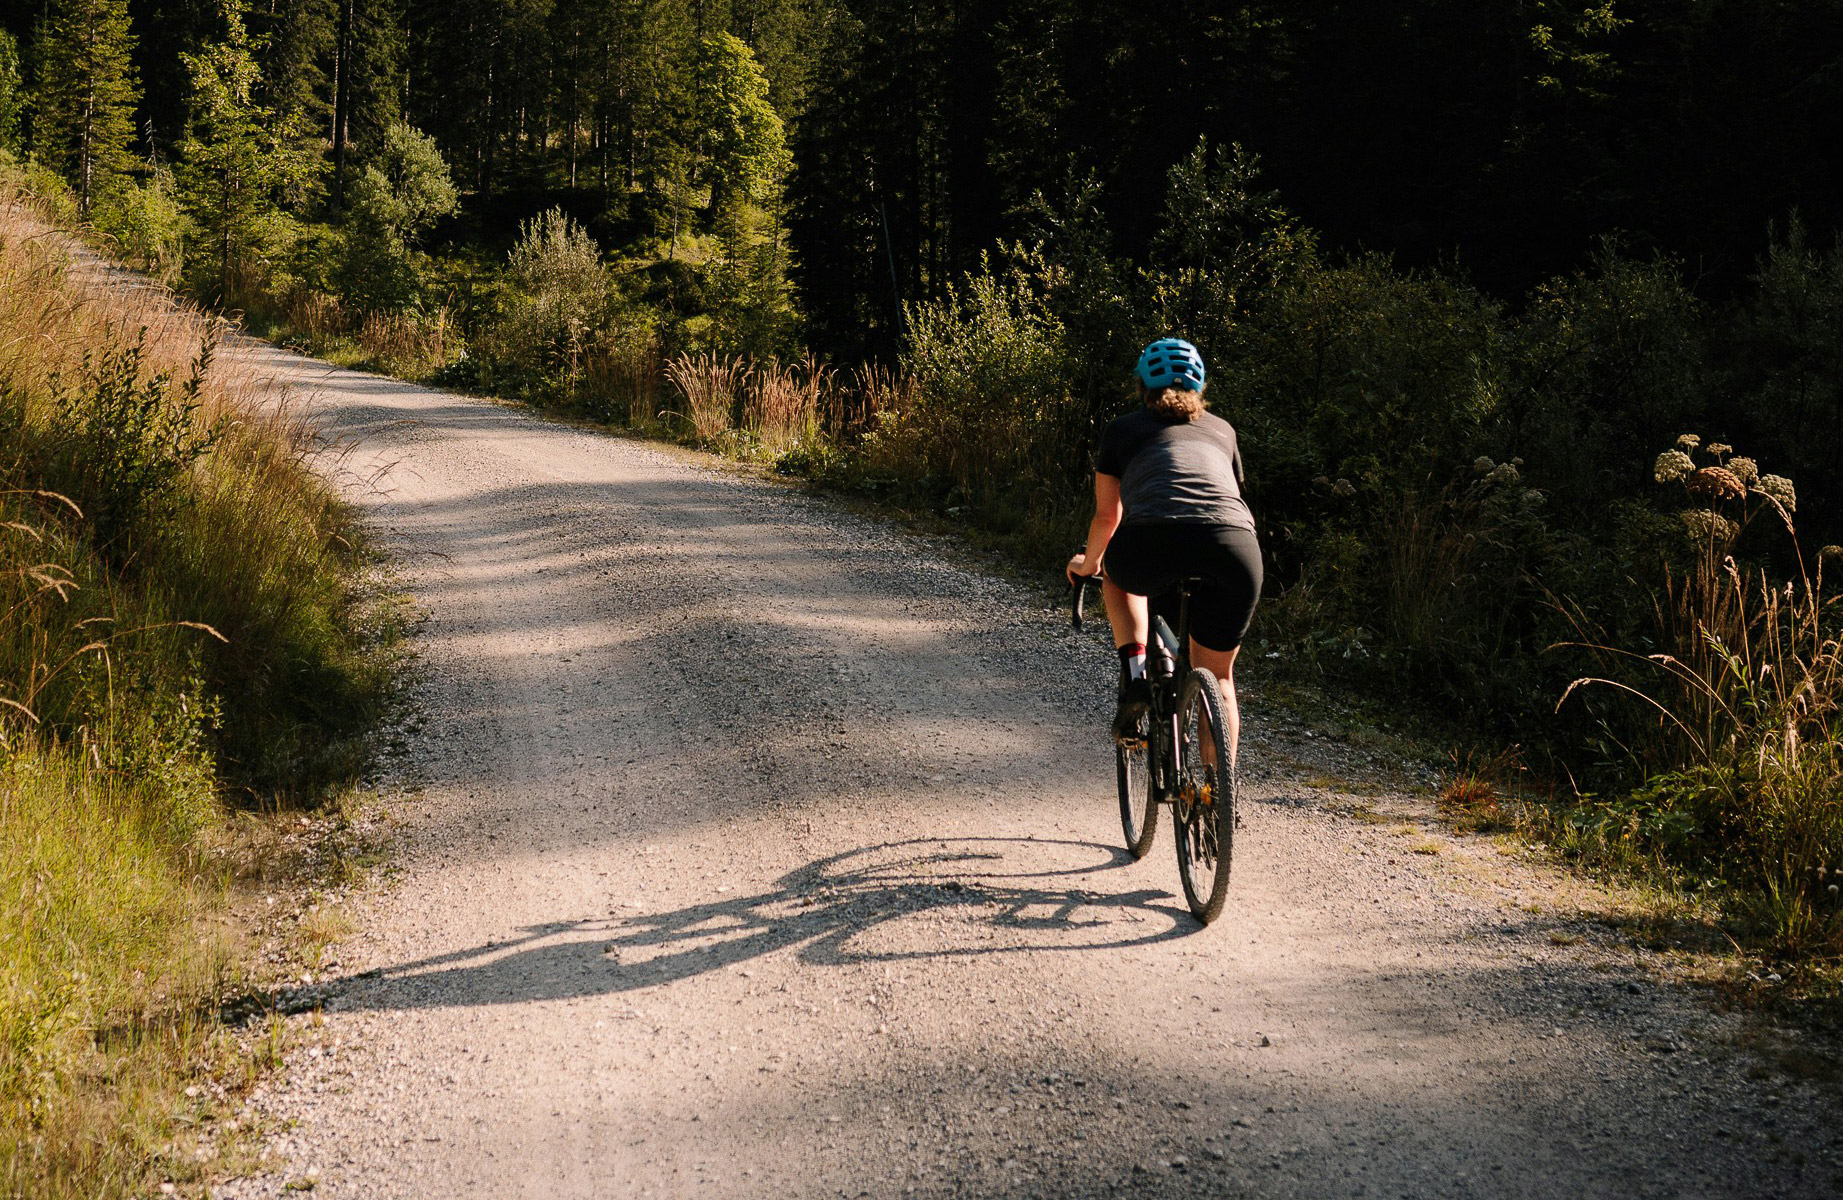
{"x":1503,"y":138}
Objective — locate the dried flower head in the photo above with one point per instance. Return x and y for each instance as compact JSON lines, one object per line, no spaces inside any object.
{"x":1780,"y":489}
{"x":1671,"y":466}
{"x":1483,"y":464}
{"x":1705,"y":526}
{"x":1504,"y":473}
{"x":1715,"y":483}
{"x":1744,"y":469}
{"x":1719,"y":448}
{"x":1343,"y":488}
{"x":1687,"y":442}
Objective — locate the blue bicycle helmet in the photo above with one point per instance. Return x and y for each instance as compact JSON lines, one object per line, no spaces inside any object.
{"x":1171,"y":362}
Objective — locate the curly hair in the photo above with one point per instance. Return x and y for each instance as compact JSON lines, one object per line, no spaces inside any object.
{"x":1174,"y":403}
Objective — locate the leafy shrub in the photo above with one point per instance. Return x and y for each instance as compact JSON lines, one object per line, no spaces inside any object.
{"x":38,"y":186}
{"x":560,"y":310}
{"x":1222,"y":244}
{"x":1363,"y":372}
{"x":1787,"y":347}
{"x":390,"y":205}
{"x":145,"y":223}
{"x":131,"y":439}
{"x":1604,"y":364}
{"x":12,"y":93}
{"x":991,"y":427}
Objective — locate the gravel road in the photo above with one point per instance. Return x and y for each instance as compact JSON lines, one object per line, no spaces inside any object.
{"x":751,"y":848}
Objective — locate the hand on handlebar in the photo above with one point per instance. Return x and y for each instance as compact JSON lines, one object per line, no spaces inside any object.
{"x":1075,"y":571}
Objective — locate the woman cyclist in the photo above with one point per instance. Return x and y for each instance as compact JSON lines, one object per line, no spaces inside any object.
{"x":1168,"y":506}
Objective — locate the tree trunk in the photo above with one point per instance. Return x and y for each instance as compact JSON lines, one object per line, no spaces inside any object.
{"x":342,"y":101}
{"x":86,"y":135}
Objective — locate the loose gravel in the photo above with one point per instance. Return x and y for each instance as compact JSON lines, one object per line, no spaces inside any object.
{"x":748,"y":847}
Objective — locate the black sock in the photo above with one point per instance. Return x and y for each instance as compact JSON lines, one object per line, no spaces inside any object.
{"x":1132,"y":660}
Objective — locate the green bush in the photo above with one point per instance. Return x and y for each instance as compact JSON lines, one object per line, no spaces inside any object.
{"x":37,"y":185}
{"x":129,"y":440}
{"x":992,"y":429}
{"x":145,"y":224}
{"x":559,"y":321}
{"x":1605,"y":364}
{"x":1787,"y":349}
{"x":390,"y":205}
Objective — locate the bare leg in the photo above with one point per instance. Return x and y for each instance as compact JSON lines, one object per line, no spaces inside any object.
{"x":1127,"y":614}
{"x":1222,"y":663}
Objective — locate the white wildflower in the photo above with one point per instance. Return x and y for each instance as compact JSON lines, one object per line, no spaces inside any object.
{"x":1671,"y":466}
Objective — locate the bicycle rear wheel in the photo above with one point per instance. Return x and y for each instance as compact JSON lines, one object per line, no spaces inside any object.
{"x":1205,"y":809}
{"x":1133,"y":775}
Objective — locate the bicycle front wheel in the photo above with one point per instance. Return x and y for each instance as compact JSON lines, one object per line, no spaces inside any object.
{"x":1133,"y":775}
{"x":1205,"y":808}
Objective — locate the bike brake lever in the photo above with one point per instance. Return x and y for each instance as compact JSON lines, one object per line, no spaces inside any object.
{"x":1080,"y":589}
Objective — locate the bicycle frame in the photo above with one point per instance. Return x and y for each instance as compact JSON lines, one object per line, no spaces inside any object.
{"x":1155,"y":769}
{"x":1166,"y":672}
{"x":1165,"y":754}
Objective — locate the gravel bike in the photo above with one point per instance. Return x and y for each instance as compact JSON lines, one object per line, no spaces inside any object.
{"x":1178,"y":757}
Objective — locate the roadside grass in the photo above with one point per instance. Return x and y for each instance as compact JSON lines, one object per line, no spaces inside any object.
{"x":111,"y":974}
{"x":186,"y":651}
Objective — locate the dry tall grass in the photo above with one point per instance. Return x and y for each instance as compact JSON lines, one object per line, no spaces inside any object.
{"x":777,"y":407}
{"x":874,"y":391}
{"x":406,"y":343}
{"x":710,"y":389}
{"x":1744,"y":755}
{"x":621,"y":382}
{"x":315,"y":317}
{"x":784,"y":403}
{"x":113,"y":747}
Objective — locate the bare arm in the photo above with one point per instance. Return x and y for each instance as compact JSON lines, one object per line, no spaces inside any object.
{"x":1107,"y":513}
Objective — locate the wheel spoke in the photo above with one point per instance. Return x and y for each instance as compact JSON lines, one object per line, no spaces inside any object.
{"x":1134,"y":779}
{"x":1207,"y":798}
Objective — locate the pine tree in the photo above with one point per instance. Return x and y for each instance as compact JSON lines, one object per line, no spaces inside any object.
{"x":12,"y":93}
{"x":298,"y":57}
{"x":237,"y":159}
{"x":83,"y":124}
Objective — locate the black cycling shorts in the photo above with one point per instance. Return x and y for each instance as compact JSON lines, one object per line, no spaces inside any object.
{"x":1149,"y":560}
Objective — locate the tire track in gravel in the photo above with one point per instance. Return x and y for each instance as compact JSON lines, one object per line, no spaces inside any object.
{"x":753,"y":849}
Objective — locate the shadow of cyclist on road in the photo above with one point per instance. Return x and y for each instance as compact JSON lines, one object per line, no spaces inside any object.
{"x":917,"y":899}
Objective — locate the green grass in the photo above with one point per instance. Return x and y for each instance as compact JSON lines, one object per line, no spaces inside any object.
{"x":109,"y":976}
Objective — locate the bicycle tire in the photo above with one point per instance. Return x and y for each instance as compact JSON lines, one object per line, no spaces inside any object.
{"x":1204,"y":812}
{"x":1133,"y":778}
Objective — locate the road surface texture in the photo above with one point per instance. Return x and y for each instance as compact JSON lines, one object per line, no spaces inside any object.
{"x":754,"y":849}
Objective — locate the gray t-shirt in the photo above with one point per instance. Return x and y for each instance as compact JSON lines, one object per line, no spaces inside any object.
{"x":1182,"y":472}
